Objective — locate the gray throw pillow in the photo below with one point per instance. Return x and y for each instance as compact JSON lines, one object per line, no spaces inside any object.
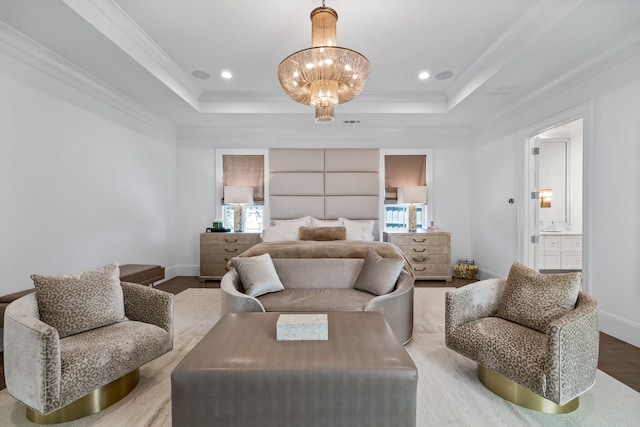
{"x":534,"y":300}
{"x":80,"y":302}
{"x":257,"y":274}
{"x":378,"y":275}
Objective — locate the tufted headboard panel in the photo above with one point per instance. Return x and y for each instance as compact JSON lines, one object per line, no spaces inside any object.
{"x":324,"y":183}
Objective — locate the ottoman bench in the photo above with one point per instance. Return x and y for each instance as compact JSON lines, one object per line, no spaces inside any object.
{"x":240,"y":375}
{"x":143,"y":274}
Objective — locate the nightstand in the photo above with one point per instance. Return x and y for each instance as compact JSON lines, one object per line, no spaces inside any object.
{"x":216,"y":249}
{"x":430,"y":252}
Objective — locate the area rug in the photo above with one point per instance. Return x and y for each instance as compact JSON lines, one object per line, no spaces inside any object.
{"x":449,"y":393}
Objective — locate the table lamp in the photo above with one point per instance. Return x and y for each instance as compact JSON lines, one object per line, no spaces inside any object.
{"x":412,"y":195}
{"x":237,"y":196}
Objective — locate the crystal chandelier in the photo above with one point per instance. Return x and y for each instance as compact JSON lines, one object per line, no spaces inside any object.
{"x":323,"y":75}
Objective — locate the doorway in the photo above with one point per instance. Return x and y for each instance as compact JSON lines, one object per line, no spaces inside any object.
{"x":553,"y":217}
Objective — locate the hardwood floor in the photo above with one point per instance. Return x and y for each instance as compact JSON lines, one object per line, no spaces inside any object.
{"x":617,"y":358}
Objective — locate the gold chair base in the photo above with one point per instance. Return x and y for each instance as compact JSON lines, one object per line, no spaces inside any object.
{"x":90,"y":403}
{"x":520,"y":395}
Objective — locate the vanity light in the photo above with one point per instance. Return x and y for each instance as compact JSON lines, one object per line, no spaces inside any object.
{"x":545,"y":198}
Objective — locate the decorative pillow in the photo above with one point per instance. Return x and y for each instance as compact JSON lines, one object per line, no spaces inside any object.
{"x":358,"y":230}
{"x":322,"y":233}
{"x":534,"y":300}
{"x":257,"y":274}
{"x":280,"y":232}
{"x":80,"y":302}
{"x":378,"y":275}
{"x":305,"y":220}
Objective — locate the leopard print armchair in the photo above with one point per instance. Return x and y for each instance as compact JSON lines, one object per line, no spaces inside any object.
{"x":62,"y":379}
{"x":550,"y":369}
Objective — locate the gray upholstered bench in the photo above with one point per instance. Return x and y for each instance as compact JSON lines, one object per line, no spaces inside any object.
{"x":240,"y":375}
{"x":5,"y":300}
{"x":143,"y":274}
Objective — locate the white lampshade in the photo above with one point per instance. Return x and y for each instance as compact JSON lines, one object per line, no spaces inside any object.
{"x":238,"y":195}
{"x":414,"y":194}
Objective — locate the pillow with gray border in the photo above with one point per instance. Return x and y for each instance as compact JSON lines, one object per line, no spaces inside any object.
{"x":378,"y":275}
{"x":257,"y":274}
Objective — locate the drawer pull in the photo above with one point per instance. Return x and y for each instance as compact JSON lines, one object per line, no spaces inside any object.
{"x":420,"y":269}
{"x":419,"y":250}
{"x":420,"y":259}
{"x":231,"y":250}
{"x":419,"y":241}
{"x":229,"y":240}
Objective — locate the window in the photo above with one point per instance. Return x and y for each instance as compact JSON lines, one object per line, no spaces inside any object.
{"x":239,"y":169}
{"x":402,"y":170}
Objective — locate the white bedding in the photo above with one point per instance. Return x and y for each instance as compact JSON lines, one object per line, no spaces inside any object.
{"x":357,"y":230}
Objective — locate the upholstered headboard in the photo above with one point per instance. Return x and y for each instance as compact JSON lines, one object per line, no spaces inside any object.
{"x":324,"y":183}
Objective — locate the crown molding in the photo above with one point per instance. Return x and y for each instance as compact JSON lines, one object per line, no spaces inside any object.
{"x":542,"y":16}
{"x":30,"y":53}
{"x":597,"y":65}
{"x":272,"y":136}
{"x":237,"y":102}
{"x":108,"y":18}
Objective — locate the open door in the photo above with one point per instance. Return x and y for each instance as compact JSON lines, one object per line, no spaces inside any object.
{"x":553,"y":217}
{"x":533,"y":202}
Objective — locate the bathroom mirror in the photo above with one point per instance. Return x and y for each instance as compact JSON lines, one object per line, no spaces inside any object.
{"x":554,"y":160}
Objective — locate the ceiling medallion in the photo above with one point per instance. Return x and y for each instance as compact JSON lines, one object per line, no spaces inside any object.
{"x":324,"y":75}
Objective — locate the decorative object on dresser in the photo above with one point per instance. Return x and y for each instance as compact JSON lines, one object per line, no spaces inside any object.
{"x":429,"y":253}
{"x":237,"y":196}
{"x":216,"y":249}
{"x":412,"y":195}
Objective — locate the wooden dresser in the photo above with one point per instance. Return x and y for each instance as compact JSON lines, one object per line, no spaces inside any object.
{"x":216,"y":249}
{"x":430,"y":252}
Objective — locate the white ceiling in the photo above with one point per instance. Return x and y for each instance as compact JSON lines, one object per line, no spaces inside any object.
{"x":502,"y":53}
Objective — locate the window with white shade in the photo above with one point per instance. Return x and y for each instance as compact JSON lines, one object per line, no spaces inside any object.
{"x":404,"y":171}
{"x":237,"y":169}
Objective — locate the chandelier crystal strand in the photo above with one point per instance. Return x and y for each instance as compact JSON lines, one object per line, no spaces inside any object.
{"x":324,"y":75}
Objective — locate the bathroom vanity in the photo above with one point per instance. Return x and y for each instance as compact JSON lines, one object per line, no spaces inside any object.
{"x":560,"y":250}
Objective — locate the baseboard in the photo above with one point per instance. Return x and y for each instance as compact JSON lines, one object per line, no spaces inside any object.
{"x":620,"y":328}
{"x":187,"y":270}
{"x":486,"y":274}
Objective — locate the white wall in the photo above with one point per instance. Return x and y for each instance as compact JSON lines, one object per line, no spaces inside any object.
{"x":611,"y":220}
{"x":196,"y":175}
{"x":81,"y":184}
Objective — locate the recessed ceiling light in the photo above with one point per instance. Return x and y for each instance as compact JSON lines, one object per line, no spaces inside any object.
{"x":226,"y":74}
{"x":444,"y":75}
{"x":423,"y":75}
{"x":199,"y":74}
